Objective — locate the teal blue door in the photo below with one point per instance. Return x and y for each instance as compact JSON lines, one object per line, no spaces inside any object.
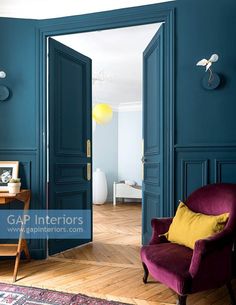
{"x":152,"y":133}
{"x":69,"y":135}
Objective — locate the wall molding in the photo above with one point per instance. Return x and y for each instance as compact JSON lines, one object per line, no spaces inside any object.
{"x":218,"y":163}
{"x":128,"y":107}
{"x":204,"y":163}
{"x":204,"y":146}
{"x":18,"y":150}
{"x":27,"y":167}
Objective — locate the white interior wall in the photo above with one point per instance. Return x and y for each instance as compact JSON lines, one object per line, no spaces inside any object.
{"x":130,"y":146}
{"x":117,"y":148}
{"x":105,"y":151}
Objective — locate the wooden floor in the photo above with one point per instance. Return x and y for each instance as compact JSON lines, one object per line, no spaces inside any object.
{"x":108,"y":268}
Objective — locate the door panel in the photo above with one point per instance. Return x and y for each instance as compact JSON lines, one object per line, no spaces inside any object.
{"x":69,"y":129}
{"x":152,"y":132}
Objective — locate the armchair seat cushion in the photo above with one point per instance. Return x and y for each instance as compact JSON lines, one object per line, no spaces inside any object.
{"x":169,"y":264}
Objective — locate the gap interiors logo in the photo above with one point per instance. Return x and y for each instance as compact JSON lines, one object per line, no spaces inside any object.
{"x":41,"y":224}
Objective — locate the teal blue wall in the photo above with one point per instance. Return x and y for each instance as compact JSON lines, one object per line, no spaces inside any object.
{"x":19,"y":115}
{"x":201,"y":31}
{"x":17,"y":59}
{"x":205,"y":133}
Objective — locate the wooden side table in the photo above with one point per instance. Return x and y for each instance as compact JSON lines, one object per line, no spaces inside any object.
{"x":16,"y":249}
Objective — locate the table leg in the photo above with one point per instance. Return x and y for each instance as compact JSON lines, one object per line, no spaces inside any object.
{"x":22,"y":244}
{"x":17,"y":262}
{"x":25,"y":249}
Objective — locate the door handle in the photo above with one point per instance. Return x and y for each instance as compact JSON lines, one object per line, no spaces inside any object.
{"x":88,"y":171}
{"x":88,"y":148}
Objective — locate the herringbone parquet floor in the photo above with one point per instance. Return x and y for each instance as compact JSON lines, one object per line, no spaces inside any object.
{"x":107,"y":268}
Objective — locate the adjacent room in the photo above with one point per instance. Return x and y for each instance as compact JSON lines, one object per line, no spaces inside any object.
{"x":117,"y":65}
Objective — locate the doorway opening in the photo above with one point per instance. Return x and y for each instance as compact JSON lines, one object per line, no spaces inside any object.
{"x":117,"y":80}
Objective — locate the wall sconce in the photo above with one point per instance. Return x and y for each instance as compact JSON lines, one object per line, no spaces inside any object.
{"x":212,"y":80}
{"x":4,"y":91}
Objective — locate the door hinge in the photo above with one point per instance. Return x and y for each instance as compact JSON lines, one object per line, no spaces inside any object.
{"x":88,"y":149}
{"x":88,"y":171}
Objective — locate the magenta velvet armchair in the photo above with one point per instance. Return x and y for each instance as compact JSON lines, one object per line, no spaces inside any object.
{"x":209,"y":265}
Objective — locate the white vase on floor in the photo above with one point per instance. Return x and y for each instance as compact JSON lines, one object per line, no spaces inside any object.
{"x":99,"y":187}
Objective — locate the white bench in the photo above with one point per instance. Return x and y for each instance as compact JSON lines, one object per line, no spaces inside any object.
{"x":122,"y":190}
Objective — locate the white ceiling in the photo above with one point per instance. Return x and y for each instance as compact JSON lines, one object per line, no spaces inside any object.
{"x":42,"y":9}
{"x":117,"y":61}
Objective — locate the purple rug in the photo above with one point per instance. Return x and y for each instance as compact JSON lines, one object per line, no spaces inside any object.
{"x":20,"y":295}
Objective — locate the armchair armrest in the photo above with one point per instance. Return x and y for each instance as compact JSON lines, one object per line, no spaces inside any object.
{"x":211,"y":252}
{"x":159,"y":226}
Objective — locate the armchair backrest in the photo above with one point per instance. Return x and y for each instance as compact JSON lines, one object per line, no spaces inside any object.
{"x":215,"y":199}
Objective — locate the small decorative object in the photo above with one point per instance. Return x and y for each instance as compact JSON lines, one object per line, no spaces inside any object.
{"x":4,"y":91}
{"x":99,"y":187}
{"x":102,"y":113}
{"x":8,"y":171}
{"x":14,"y":186}
{"x":211,"y":81}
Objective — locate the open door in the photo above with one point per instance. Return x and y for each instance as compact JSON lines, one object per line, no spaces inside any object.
{"x":69,"y":123}
{"x":152,"y":132}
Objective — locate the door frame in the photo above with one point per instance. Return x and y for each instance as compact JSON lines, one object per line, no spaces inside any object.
{"x":134,"y":16}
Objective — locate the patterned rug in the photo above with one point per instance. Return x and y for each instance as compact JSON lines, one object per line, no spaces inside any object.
{"x":20,"y":295}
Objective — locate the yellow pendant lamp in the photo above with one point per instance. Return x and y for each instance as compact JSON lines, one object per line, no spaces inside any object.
{"x":102,"y":113}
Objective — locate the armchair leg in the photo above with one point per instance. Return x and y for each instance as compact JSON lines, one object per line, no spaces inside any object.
{"x":146,"y":273}
{"x":182,"y":300}
{"x":231,"y":293}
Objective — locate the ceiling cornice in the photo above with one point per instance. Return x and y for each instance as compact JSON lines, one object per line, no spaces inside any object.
{"x":128,"y":107}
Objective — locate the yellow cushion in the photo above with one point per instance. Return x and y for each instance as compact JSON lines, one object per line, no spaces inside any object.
{"x":188,"y":227}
